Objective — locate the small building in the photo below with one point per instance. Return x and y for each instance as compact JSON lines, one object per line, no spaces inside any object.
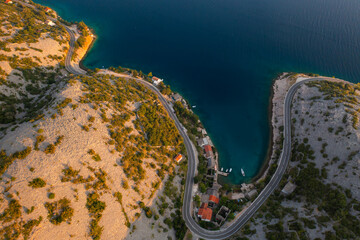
{"x":178,"y":158}
{"x":176,"y":97}
{"x":211,"y":163}
{"x":8,"y":1}
{"x":250,"y":195}
{"x":289,"y":188}
{"x":48,"y":10}
{"x":208,"y":151}
{"x":213,"y":197}
{"x":50,"y":23}
{"x":203,"y":141}
{"x":156,"y":81}
{"x":222,"y":214}
{"x":205,"y":213}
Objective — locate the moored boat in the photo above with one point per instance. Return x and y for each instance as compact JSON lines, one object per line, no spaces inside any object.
{"x":242,"y":172}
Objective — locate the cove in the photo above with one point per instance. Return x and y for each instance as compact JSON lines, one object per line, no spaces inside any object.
{"x":223,"y":55}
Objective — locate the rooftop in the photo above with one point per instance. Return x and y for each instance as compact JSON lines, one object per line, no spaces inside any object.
{"x":205,"y":213}
{"x":214,"y":199}
{"x":289,"y":188}
{"x":178,"y":158}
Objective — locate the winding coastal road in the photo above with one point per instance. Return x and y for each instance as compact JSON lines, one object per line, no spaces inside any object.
{"x":68,"y":65}
{"x":68,"y":57}
{"x":187,"y":209}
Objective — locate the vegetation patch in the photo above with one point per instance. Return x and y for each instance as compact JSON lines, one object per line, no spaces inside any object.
{"x":37,"y":183}
{"x":12,"y":212}
{"x":118,"y":197}
{"x":95,"y":208}
{"x":59,"y":211}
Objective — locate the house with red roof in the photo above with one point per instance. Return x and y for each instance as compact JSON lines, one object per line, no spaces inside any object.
{"x":178,"y":158}
{"x":8,"y":1}
{"x":47,"y":9}
{"x":208,"y":151}
{"x":205,"y":213}
{"x":213,"y":199}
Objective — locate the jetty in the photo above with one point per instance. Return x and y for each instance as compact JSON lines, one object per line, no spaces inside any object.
{"x":225,"y":174}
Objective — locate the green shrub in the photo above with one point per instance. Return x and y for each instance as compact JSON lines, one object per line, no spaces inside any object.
{"x":50,"y":149}
{"x":29,"y":225}
{"x":95,"y":208}
{"x":125,"y":184}
{"x":39,"y":139}
{"x":59,"y":211}
{"x":37,"y":183}
{"x":96,"y":158}
{"x":59,"y":140}
{"x":12,"y":212}
{"x":51,"y":195}
{"x":91,"y":152}
{"x":22,"y":154}
{"x":94,"y":205}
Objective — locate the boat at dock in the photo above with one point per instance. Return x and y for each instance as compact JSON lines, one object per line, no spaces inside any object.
{"x":230,"y":170}
{"x":222,"y":169}
{"x":242,"y":172}
{"x":227,"y":170}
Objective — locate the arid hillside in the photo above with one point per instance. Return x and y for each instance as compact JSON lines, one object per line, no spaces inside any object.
{"x":81,"y":157}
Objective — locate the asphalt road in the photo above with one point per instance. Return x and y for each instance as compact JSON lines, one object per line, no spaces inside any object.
{"x":187,"y":201}
{"x":68,"y":65}
{"x":188,"y":196}
{"x":267,"y":191}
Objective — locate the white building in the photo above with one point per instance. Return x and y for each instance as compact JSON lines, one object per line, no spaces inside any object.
{"x":156,"y":81}
{"x":50,"y":23}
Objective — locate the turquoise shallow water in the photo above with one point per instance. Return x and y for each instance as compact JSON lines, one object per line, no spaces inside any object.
{"x":223,"y":55}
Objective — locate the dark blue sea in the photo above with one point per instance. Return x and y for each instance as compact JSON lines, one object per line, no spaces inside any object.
{"x":222,"y":55}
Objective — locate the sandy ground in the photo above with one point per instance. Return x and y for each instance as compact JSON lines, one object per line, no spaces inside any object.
{"x":72,"y":152}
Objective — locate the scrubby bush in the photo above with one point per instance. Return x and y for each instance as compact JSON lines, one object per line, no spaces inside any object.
{"x":37,"y":183}
{"x":12,"y":212}
{"x":50,"y":149}
{"x":95,"y":207}
{"x":59,"y":211}
{"x":51,"y":195}
{"x":39,"y":139}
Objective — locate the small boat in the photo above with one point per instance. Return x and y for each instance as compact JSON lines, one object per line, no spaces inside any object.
{"x":230,"y":170}
{"x":227,"y":170}
{"x":242,"y":172}
{"x":222,"y":169}
{"x":194,"y":106}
